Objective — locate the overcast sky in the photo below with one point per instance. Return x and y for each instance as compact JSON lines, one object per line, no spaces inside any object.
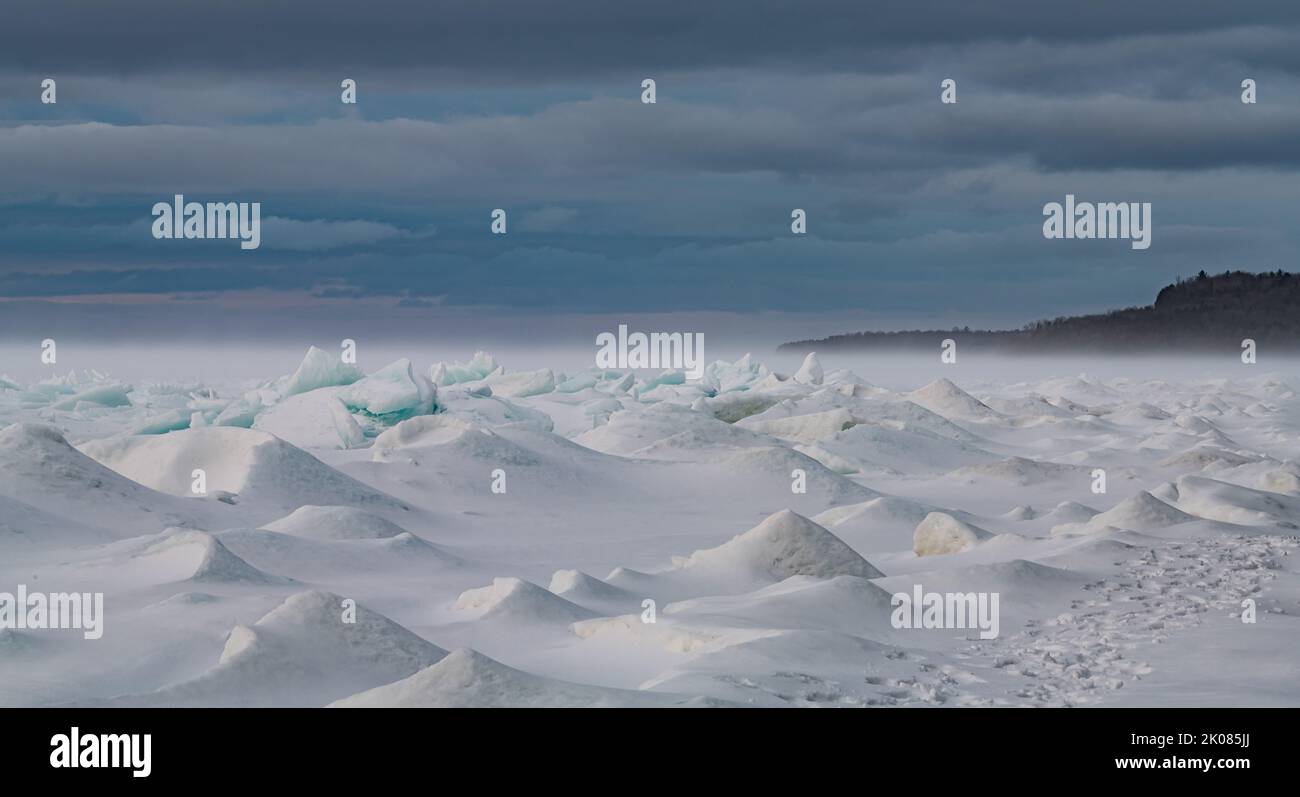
{"x":919,"y":213}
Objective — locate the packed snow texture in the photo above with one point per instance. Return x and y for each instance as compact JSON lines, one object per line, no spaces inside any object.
{"x":460,"y":534}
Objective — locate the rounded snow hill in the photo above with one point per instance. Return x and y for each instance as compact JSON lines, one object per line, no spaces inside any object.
{"x":514,"y":600}
{"x":803,"y":428}
{"x":666,"y":431}
{"x":1279,"y":480}
{"x":303,"y":653}
{"x":945,"y":398}
{"x":1071,"y":512}
{"x":910,"y":450}
{"x":23,"y":526}
{"x":1141,"y":512}
{"x":200,"y":557}
{"x":450,"y":438}
{"x":1231,"y":503}
{"x":306,"y":420}
{"x":1019,"y":470}
{"x":1021,"y":512}
{"x":259,"y":468}
{"x":785,"y":544}
{"x":335,"y":523}
{"x":846,"y":604}
{"x":579,"y":587}
{"x":320,"y":560}
{"x":881,"y":525}
{"x":1025,"y":588}
{"x":40,"y":469}
{"x":767,"y":471}
{"x":940,"y":533}
{"x":426,"y":430}
{"x":1202,"y":457}
{"x":466,"y":678}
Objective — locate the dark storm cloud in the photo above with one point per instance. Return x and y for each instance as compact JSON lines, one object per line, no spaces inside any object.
{"x":523,"y":38}
{"x":914,"y":207}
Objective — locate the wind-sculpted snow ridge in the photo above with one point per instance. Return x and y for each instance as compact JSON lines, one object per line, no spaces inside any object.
{"x":201,"y":558}
{"x":250,"y":467}
{"x":940,"y":533}
{"x":335,"y":523}
{"x":42,"y":470}
{"x":466,"y":678}
{"x":761,"y":526}
{"x":301,"y":654}
{"x":785,"y":544}
{"x":514,"y":600}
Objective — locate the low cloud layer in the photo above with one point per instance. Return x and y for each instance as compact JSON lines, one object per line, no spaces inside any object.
{"x":914,"y":207}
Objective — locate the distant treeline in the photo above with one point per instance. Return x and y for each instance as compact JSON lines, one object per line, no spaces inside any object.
{"x":1199,"y":313}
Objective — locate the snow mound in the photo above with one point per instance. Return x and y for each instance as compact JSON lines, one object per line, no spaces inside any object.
{"x":665,"y":431}
{"x":774,"y":465}
{"x":468,"y":678}
{"x":785,"y":544}
{"x":206,"y":560}
{"x":884,"y":524}
{"x":450,"y":439}
{"x":807,"y":428}
{"x":1071,"y":512}
{"x":895,"y":448}
{"x":426,"y":430}
{"x":322,"y":560}
{"x":185,"y":599}
{"x":1141,"y":512}
{"x":1231,"y":503}
{"x":1019,"y":470}
{"x":1020,"y":513}
{"x":846,"y":604}
{"x":579,"y":587}
{"x":941,"y":533}
{"x":23,"y":524}
{"x":258,"y":467}
{"x":335,"y":523}
{"x":944,"y":398}
{"x":517,"y":601}
{"x":42,"y":470}
{"x":304,"y":653}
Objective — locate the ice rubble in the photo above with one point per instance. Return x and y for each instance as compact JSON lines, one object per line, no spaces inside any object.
{"x":392,"y":392}
{"x":320,"y":369}
{"x":479,"y":367}
{"x":810,"y":372}
{"x":610,"y":466}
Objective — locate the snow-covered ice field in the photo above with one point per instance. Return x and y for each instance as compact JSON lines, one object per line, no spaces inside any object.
{"x":500,"y":527}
